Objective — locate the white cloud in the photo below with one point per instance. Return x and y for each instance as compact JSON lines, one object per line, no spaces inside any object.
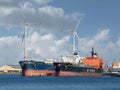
{"x":26,"y":4}
{"x":102,"y":35}
{"x":10,"y":50}
{"x":52,"y":11}
{"x":42,"y":1}
{"x":49,"y":46}
{"x":36,"y":37}
{"x":5,"y":11}
{"x":62,"y":41}
{"x":40,"y":46}
{"x":48,"y":18}
{"x":51,"y":19}
{"x":102,"y":44}
{"x":118,"y":42}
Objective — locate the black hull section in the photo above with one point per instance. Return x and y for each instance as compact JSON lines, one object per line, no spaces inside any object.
{"x":67,"y":67}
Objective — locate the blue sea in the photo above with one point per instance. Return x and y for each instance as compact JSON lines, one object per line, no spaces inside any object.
{"x":18,"y":82}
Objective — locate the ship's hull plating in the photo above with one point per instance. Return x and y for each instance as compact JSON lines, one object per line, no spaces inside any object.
{"x":32,"y":68}
{"x":52,"y":73}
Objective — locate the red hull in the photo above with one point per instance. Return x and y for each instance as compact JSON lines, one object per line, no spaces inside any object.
{"x":52,"y":73}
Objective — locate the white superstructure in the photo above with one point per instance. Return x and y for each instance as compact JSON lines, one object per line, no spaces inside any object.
{"x":71,"y":59}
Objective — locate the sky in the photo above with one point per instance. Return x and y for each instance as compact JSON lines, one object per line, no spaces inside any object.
{"x":51,"y":23}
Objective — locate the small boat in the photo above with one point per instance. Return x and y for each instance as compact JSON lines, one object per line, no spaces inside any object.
{"x":115,"y":74}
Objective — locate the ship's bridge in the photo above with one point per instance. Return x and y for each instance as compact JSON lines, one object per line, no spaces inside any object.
{"x":71,"y":59}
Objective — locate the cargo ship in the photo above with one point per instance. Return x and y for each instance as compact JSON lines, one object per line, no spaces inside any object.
{"x":70,"y":65}
{"x":86,"y":66}
{"x":81,"y":66}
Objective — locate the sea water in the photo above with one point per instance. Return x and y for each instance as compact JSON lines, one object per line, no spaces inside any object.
{"x":18,"y":82}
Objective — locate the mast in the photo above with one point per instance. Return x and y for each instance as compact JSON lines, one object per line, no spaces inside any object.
{"x":92,"y":52}
{"x":73,"y":51}
{"x":25,"y":33}
{"x":25,"y":40}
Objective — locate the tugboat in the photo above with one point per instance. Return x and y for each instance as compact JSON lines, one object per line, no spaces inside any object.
{"x":115,"y":68}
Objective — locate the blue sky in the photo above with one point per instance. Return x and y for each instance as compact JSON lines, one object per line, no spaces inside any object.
{"x":98,"y":14}
{"x":51,"y":36}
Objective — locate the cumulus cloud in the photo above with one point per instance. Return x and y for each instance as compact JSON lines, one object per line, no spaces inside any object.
{"x":46,"y":17}
{"x":10,"y":50}
{"x":105,"y":48}
{"x":43,"y":1}
{"x":102,"y":35}
{"x":52,"y":11}
{"x":39,"y":46}
{"x":5,"y":11}
{"x":50,"y":20}
{"x":118,"y":42}
{"x":42,"y":46}
{"x":47,"y":45}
